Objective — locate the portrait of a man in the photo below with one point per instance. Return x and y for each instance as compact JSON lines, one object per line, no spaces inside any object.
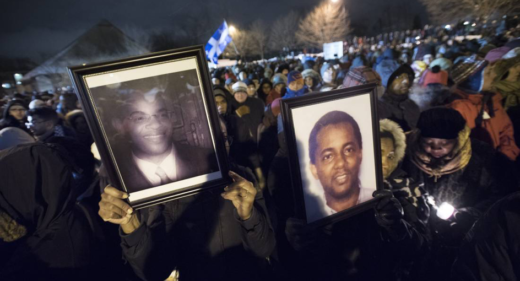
{"x":336,"y":154}
{"x":157,"y":130}
{"x":151,"y":156}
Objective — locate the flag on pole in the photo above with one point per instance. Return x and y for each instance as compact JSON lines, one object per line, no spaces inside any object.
{"x":217,"y":43}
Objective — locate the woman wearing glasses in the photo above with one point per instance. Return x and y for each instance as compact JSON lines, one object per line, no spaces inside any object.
{"x":15,"y":115}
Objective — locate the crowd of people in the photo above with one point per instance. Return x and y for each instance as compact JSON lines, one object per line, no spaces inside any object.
{"x":449,"y":121}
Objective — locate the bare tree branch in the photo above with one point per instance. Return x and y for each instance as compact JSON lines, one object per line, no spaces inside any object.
{"x":259,"y":37}
{"x":283,"y":32}
{"x":443,"y":11}
{"x":329,"y":22}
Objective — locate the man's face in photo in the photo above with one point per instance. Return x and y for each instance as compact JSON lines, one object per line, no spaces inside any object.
{"x":149,"y":126}
{"x":338,"y":160}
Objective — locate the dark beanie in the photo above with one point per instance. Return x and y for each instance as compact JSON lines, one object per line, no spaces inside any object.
{"x":441,"y":123}
{"x":402,"y":69}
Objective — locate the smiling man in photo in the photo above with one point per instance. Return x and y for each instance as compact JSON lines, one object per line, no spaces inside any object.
{"x":152,"y":158}
{"x":336,"y":152}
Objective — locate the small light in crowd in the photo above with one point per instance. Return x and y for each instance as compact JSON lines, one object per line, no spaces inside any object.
{"x":418,"y":37}
{"x":84,"y":64}
{"x":445,"y":211}
{"x":232,"y":29}
{"x":474,"y":24}
{"x":466,"y":22}
{"x":6,"y":85}
{"x":448,"y":26}
{"x":18,"y":83}
{"x":493,"y":22}
{"x":334,"y":1}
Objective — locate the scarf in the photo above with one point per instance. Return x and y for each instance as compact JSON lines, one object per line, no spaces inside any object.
{"x":456,"y":161}
{"x":510,"y":92}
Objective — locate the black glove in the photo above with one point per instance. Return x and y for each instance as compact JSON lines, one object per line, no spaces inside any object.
{"x":463,"y":220}
{"x":388,"y":210}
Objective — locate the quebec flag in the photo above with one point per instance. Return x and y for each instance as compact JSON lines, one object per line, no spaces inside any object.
{"x":217,"y":43}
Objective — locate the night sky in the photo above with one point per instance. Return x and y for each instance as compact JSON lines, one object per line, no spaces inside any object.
{"x":39,"y":29}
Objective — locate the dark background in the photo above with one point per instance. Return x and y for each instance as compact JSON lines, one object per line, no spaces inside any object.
{"x":37,"y":30}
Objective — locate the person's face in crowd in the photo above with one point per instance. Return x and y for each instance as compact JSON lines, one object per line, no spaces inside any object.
{"x":18,"y":112}
{"x":514,"y":73}
{"x":149,"y":125}
{"x":240,"y":97}
{"x":329,"y":75}
{"x":401,"y":85}
{"x":221,"y":104}
{"x":309,"y":82}
{"x":438,"y":148}
{"x":285,"y":72}
{"x":215,"y":81}
{"x":296,"y":85}
{"x":266,"y":88}
{"x":38,"y":126}
{"x":251,"y":90}
{"x":338,"y":160}
{"x":257,"y":83}
{"x":388,"y":156}
{"x":81,"y":125}
{"x":279,"y":88}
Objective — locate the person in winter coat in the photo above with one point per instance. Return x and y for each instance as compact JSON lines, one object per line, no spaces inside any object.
{"x":11,"y":137}
{"x":211,"y":236}
{"x":44,"y":124}
{"x":363,"y":75}
{"x":456,"y":170}
{"x":481,"y":108}
{"x":15,"y":115}
{"x":265,"y":88}
{"x":489,"y":252}
{"x":251,"y":112}
{"x":52,"y":239}
{"x":507,"y":83}
{"x":278,"y":91}
{"x":328,"y":74}
{"x":312,"y":80}
{"x":395,"y":104}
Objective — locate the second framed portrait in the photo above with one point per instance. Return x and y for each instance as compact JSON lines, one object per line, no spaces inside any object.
{"x":334,"y":152}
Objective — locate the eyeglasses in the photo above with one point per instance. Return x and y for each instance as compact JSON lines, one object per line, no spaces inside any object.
{"x":142,"y":118}
{"x":391,"y":156}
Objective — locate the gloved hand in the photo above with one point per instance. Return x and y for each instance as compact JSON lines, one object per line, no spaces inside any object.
{"x":463,"y":219}
{"x":388,"y":210}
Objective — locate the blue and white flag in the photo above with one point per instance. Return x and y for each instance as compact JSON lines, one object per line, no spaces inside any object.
{"x":217,"y":43}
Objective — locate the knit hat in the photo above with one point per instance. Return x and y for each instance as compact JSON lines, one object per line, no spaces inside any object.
{"x":496,"y":54}
{"x":11,"y":136}
{"x":248,"y":82}
{"x":486,"y":49}
{"x":37,"y":104}
{"x":293,"y":76}
{"x":432,"y":77}
{"x":279,"y":79}
{"x":239,"y":87}
{"x":360,"y":76}
{"x":403,"y":69}
{"x":275,"y":107}
{"x":440,"y":123}
{"x":311,"y":73}
{"x":466,"y":68}
{"x":444,"y":63}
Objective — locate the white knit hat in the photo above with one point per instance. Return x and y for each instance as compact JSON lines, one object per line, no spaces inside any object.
{"x":239,"y":87}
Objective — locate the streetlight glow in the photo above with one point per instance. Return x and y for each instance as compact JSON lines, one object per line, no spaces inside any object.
{"x":232,"y":29}
{"x":334,"y":1}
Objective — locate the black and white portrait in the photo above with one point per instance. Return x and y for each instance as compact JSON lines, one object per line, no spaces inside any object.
{"x":336,"y":154}
{"x":156,"y":127}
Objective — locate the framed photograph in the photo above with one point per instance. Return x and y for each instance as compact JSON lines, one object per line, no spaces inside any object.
{"x":155,"y":124}
{"x":334,"y":152}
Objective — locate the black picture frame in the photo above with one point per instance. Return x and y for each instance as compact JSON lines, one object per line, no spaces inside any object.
{"x":310,"y":102}
{"x":168,"y":67}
